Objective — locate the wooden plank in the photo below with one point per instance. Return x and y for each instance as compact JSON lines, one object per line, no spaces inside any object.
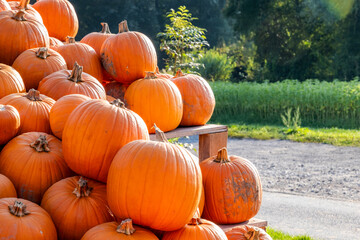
{"x":195,"y":130}
{"x":252,"y":222}
{"x":210,"y":144}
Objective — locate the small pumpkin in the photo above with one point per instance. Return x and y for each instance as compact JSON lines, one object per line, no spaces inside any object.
{"x":76,"y":205}
{"x":156,"y":100}
{"x":37,"y":63}
{"x":9,"y":122}
{"x":127,"y":55}
{"x":247,"y":233}
{"x":7,"y":189}
{"x":34,"y":109}
{"x":65,"y":82}
{"x":233,"y":190}
{"x":39,"y":164}
{"x":11,"y":81}
{"x":116,"y":90}
{"x":22,"y":220}
{"x":30,"y":12}
{"x":61,"y":111}
{"x":96,"y":39}
{"x":123,"y":231}
{"x":59,"y":18}
{"x":55,"y":43}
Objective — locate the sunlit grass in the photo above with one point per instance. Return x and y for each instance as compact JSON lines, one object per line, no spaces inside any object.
{"x":279,"y":235}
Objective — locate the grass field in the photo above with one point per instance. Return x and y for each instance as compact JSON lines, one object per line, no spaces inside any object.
{"x":278,"y":235}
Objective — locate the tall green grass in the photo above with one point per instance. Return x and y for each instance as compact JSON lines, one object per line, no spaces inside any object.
{"x":321,"y":104}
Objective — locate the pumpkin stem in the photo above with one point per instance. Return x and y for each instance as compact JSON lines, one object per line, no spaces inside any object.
{"x":33,"y":95}
{"x":19,"y":16}
{"x":126,"y":227}
{"x":150,"y":75}
{"x":195,"y":221}
{"x":105,"y":28}
{"x":252,"y":234}
{"x":41,"y":144}
{"x":157,"y":69}
{"x":76,"y":73}
{"x":82,"y":189}
{"x":160,"y":135}
{"x":222,"y":156}
{"x":123,"y":27}
{"x":70,"y":39}
{"x":24,"y":4}
{"x":42,"y":53}
{"x":18,"y":209}
{"x":118,"y":103}
{"x":179,"y":73}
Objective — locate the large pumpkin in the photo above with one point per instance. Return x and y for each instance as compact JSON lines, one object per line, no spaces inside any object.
{"x":31,"y":13}
{"x":7,"y":189}
{"x":95,"y":131}
{"x":76,"y":205}
{"x":128,"y":55}
{"x":23,"y":220}
{"x":18,"y":33}
{"x":65,"y":82}
{"x":36,"y":63}
{"x":10,"y":80}
{"x":233,"y":191}
{"x":123,"y":231}
{"x":96,"y":39}
{"x":9,"y":122}
{"x":59,"y":18}
{"x":4,"y":5}
{"x":33,"y":162}
{"x":84,"y":55}
{"x":156,"y":100}
{"x":198,"y":99}
{"x":199,"y":229}
{"x":155,"y":183}
{"x":247,"y":233}
{"x":34,"y":109}
{"x":61,"y":111}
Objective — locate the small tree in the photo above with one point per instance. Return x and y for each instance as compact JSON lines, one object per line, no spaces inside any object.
{"x":181,"y":40}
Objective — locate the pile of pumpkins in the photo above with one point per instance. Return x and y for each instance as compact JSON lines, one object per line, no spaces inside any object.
{"x":76,"y":161}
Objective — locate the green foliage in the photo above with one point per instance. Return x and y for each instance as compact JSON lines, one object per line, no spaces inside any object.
{"x":188,"y":146}
{"x":279,"y":235}
{"x":292,"y":122}
{"x":181,"y":40}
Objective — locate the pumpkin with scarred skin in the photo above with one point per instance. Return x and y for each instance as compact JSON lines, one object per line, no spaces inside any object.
{"x":247,"y":233}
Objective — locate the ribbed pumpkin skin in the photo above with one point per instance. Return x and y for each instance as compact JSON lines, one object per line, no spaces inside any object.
{"x":33,"y":69}
{"x":198,"y":99}
{"x":74,"y":216}
{"x":30,"y":11}
{"x":84,"y":55}
{"x":128,"y":55}
{"x":9,"y":122}
{"x":33,"y":172}
{"x":57,"y":85}
{"x":167,"y":180}
{"x":55,"y":43}
{"x":94,"y":132}
{"x":233,"y":191}
{"x":238,"y":233}
{"x":59,"y":18}
{"x":204,"y":231}
{"x":10,"y":81}
{"x":96,"y":39}
{"x":37,"y":225}
{"x":156,"y":100}
{"x":4,"y":5}
{"x":108,"y":231}
{"x":7,"y":189}
{"x":34,"y":115}
{"x":18,"y":36}
{"x":61,"y":111}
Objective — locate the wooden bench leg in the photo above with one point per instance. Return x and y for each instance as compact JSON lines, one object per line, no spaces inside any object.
{"x":209,"y":144}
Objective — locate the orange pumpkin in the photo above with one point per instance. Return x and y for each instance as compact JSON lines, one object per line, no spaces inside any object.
{"x":59,"y":18}
{"x":84,"y":55}
{"x":22,"y":220}
{"x":233,"y":191}
{"x":18,"y":33}
{"x":65,"y":82}
{"x":34,"y":109}
{"x":247,"y":233}
{"x":199,"y":229}
{"x":36,"y":63}
{"x":9,"y":122}
{"x":104,"y":128}
{"x":163,"y":75}
{"x":167,"y":180}
{"x":39,"y":164}
{"x":76,"y":205}
{"x":55,"y":43}
{"x":128,"y":55}
{"x":198,"y":99}
{"x":123,"y":231}
{"x":96,"y":39}
{"x":61,"y":111}
{"x":30,"y":12}
{"x":11,"y":81}
{"x":7,"y":189}
{"x":116,"y":90}
{"x":156,"y":100}
{"x":4,"y":5}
